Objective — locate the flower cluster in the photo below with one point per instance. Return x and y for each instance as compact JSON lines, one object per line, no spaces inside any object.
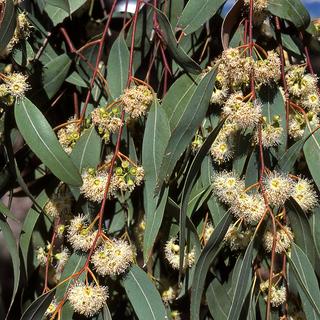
{"x":172,"y":254}
{"x":57,"y":259}
{"x":250,"y":207}
{"x":15,"y":85}
{"x":208,"y":230}
{"x":283,"y":238}
{"x":94,"y":184}
{"x":59,"y":203}
{"x":69,"y":135}
{"x":278,"y":294}
{"x":125,"y":178}
{"x":107,"y":120}
{"x":112,"y":258}
{"x":137,"y":100}
{"x":87,"y":299}
{"x":21,"y":32}
{"x":303,"y":92}
{"x":80,"y":233}
{"x":232,"y":92}
{"x":238,"y":239}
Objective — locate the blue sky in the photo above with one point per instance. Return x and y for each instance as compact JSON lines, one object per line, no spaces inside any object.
{"x":312,"y":5}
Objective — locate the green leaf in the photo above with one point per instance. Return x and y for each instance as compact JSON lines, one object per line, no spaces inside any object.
{"x":23,"y":53}
{"x":156,"y":136}
{"x":7,"y":23}
{"x":177,"y":98}
{"x":301,"y":229}
{"x":311,"y":151}
{"x":289,"y":158}
{"x":62,"y":4}
{"x":41,"y":139}
{"x":242,"y":284}
{"x":178,"y":54}
{"x":197,"y":12}
{"x":74,"y":264}
{"x":207,"y":256}
{"x":118,"y":67}
{"x":291,"y":10}
{"x":189,"y":182}
{"x":218,"y":300}
{"x":28,"y":227}
{"x":11,"y":245}
{"x":273,"y":105}
{"x":289,"y":43}
{"x":38,"y":308}
{"x":230,"y":25}
{"x":86,"y":152}
{"x":315,"y":230}
{"x":143,"y":295}
{"x":76,"y":79}
{"x":189,"y":121}
{"x":57,"y":15}
{"x":54,"y":74}
{"x":6,"y":212}
{"x":217,"y":211}
{"x":305,"y":276}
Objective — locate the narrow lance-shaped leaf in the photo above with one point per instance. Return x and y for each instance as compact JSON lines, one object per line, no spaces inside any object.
{"x":311,"y":150}
{"x":189,"y":121}
{"x":38,"y":308}
{"x":155,"y":139}
{"x":305,"y":276}
{"x":13,"y":250}
{"x":144,"y":297}
{"x":28,"y":227}
{"x":301,"y":229}
{"x":63,"y":4}
{"x":6,"y":212}
{"x":178,"y":97}
{"x":118,"y":67}
{"x":291,"y":10}
{"x":7,"y":22}
{"x":230,"y":23}
{"x":218,"y":300}
{"x":242,"y":284}
{"x":74,"y":264}
{"x":87,"y":150}
{"x":189,"y":182}
{"x":204,"y":262}
{"x":41,"y":139}
{"x":178,"y":54}
{"x":54,"y":74}
{"x":196,"y":13}
{"x":315,"y":230}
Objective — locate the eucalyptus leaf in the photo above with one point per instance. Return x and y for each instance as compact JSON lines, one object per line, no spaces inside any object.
{"x":197,"y":12}
{"x":7,"y":23}
{"x":190,"y":179}
{"x":305,"y":276}
{"x":143,"y":295}
{"x":54,"y":74}
{"x":311,"y":150}
{"x":178,"y":54}
{"x":38,"y":308}
{"x":14,"y":254}
{"x":118,"y":67}
{"x":189,"y":121}
{"x":155,"y":140}
{"x":41,"y":139}
{"x":207,"y":256}
{"x":291,"y":10}
{"x":243,"y":279}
